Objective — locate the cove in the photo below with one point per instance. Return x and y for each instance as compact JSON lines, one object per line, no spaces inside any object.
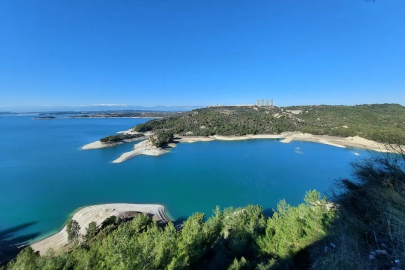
{"x":45,"y":176}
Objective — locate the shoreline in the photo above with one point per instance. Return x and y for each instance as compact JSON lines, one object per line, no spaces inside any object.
{"x":145,"y":148}
{"x":104,"y":117}
{"x":99,"y":144}
{"x":101,"y":117}
{"x":97,"y":213}
{"x":287,"y":137}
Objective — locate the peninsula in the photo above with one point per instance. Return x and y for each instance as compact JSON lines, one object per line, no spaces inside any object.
{"x":361,"y":126}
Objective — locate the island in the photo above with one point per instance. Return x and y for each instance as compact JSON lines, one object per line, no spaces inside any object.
{"x":44,"y":117}
{"x":124,"y":114}
{"x":100,"y":114}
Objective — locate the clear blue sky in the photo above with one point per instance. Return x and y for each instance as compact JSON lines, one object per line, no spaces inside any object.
{"x":201,"y":52}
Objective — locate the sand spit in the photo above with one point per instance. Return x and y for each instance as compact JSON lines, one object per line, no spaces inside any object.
{"x":99,"y":144}
{"x":98,"y":213}
{"x":143,"y":148}
{"x":146,"y":148}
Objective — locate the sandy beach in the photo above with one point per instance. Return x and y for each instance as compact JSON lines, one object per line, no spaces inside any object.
{"x":146,"y":148}
{"x":143,"y":148}
{"x":343,"y":142}
{"x":99,"y":144}
{"x":287,"y":137}
{"x":192,"y":139}
{"x":98,"y":213}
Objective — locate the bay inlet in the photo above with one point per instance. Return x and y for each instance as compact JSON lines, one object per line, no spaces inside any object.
{"x":45,"y":176}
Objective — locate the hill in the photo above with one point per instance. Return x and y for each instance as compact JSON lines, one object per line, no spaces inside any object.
{"x":378,"y":122}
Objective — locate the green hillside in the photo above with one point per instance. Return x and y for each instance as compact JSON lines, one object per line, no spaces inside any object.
{"x":379,"y":122}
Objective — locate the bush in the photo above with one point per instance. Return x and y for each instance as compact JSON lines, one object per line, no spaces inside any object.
{"x":371,"y":215}
{"x":240,"y":238}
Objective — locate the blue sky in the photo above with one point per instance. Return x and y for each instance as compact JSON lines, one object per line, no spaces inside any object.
{"x":201,"y":52}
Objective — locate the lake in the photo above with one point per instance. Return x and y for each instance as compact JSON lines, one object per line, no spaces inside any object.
{"x":45,"y":177}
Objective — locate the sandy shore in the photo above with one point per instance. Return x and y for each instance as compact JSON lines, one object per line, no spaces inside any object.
{"x":343,"y":142}
{"x":98,"y":213}
{"x":99,"y":145}
{"x":143,"y":148}
{"x":355,"y":142}
{"x":192,"y":139}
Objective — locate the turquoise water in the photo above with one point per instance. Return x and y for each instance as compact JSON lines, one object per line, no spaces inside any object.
{"x":44,"y":176}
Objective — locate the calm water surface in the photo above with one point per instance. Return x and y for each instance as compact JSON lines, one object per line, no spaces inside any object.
{"x":44,"y":176}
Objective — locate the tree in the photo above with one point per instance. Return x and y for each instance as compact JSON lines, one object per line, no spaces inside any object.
{"x":161,"y":138}
{"x":91,"y":230}
{"x":292,"y":229}
{"x":27,"y":259}
{"x":73,"y":230}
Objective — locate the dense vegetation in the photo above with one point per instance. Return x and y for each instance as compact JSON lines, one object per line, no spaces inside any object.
{"x":364,"y":228}
{"x":231,"y":239}
{"x":224,"y":121}
{"x":120,"y":137}
{"x":379,"y":122}
{"x":161,"y":138}
{"x":370,"y":228}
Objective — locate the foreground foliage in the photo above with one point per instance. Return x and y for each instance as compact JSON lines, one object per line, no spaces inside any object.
{"x":231,"y":239}
{"x":370,"y":228}
{"x":379,"y":122}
